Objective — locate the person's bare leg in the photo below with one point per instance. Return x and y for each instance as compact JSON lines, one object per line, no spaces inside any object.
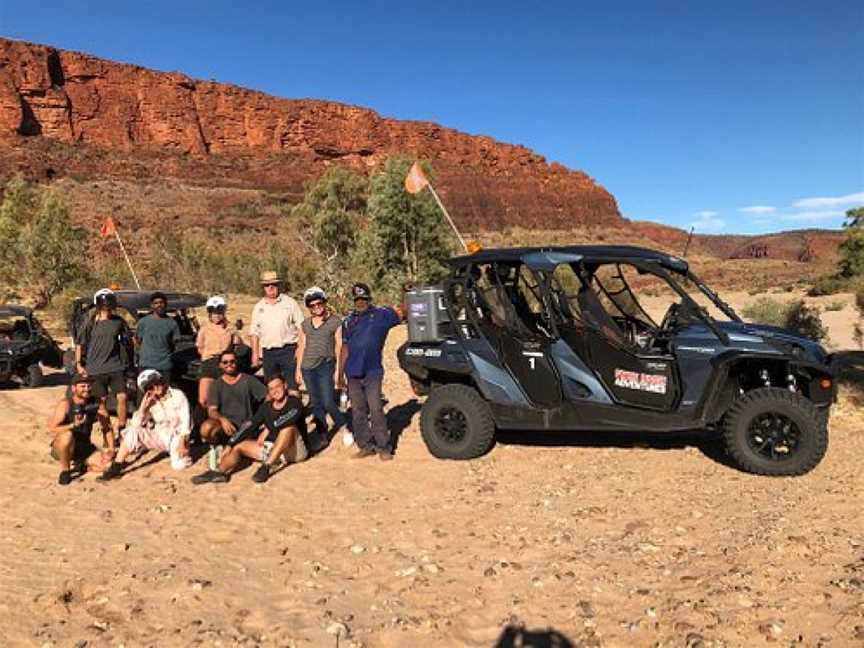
{"x":285,"y":441}
{"x":211,"y":430}
{"x":98,"y":463}
{"x":64,"y":446}
{"x":203,"y":390}
{"x":230,"y":459}
{"x":122,"y":410}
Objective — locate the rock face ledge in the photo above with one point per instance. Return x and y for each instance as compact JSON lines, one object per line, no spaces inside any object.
{"x":77,"y":99}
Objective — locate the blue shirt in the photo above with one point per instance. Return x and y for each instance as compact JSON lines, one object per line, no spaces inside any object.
{"x":364,"y":334}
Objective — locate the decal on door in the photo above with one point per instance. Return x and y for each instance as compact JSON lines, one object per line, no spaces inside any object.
{"x":653,"y":383}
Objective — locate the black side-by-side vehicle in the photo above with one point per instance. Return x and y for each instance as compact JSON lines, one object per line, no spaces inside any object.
{"x":555,"y":338}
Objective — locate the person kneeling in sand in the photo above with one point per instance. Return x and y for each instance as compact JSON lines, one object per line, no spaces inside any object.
{"x":279,"y":440}
{"x":71,"y":425}
{"x":162,"y":423}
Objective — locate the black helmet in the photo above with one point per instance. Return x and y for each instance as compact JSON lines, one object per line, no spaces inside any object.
{"x":105,"y":297}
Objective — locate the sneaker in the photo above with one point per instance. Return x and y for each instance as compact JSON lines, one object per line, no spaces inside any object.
{"x":65,"y":477}
{"x":211,"y":477}
{"x":262,"y":474}
{"x":385,"y":455}
{"x":362,"y":453}
{"x":112,"y":472}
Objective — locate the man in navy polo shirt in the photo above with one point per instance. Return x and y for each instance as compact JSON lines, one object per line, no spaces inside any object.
{"x":364,"y":333}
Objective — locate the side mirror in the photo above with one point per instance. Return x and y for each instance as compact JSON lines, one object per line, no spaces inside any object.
{"x":238,"y":324}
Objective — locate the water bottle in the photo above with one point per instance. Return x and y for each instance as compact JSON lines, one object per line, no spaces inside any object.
{"x":343,"y":402}
{"x":213,"y":458}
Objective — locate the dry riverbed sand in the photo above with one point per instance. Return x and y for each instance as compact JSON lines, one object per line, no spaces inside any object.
{"x":595,"y":540}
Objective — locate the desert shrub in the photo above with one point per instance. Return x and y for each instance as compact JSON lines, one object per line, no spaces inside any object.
{"x":41,"y":250}
{"x":805,"y":320}
{"x":766,"y":310}
{"x":830,"y":285}
{"x":795,"y":316}
{"x":835,"y":306}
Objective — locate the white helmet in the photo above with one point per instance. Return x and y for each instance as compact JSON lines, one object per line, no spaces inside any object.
{"x":147,"y":378}
{"x":216,"y":303}
{"x":105,"y":296}
{"x":314,"y":294}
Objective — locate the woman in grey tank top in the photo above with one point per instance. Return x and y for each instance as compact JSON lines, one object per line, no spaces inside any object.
{"x":318,"y":356}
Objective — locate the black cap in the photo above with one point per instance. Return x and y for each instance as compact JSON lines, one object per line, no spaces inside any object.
{"x":361,"y":291}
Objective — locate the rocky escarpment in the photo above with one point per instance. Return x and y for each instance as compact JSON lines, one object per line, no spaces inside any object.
{"x":76,"y":99}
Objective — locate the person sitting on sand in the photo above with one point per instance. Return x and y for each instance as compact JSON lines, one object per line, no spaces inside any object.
{"x":272,"y":435}
{"x":162,"y":423}
{"x":233,"y":398}
{"x":71,"y":425}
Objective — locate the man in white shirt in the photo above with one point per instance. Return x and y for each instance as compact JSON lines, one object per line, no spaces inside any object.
{"x":275,"y":329}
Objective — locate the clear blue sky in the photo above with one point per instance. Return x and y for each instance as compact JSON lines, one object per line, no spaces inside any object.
{"x":688,"y":112}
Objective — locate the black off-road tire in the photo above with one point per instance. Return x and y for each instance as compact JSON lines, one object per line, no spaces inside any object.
{"x":33,"y":377}
{"x":456,"y":423}
{"x":794,"y":408}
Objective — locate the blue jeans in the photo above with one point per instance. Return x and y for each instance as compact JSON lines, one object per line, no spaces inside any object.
{"x":322,"y":395}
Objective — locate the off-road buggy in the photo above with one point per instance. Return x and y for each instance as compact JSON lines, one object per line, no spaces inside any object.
{"x":24,"y":344}
{"x":556,"y":339}
{"x":132,"y":305}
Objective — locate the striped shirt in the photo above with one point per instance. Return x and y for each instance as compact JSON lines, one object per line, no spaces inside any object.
{"x":320,"y":341}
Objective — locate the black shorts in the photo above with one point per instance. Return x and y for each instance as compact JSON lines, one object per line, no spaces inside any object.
{"x":210,"y":368}
{"x":116,"y":382}
{"x":81,"y":451}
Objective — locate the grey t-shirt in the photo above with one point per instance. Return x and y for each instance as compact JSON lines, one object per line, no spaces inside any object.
{"x":239,"y":401}
{"x":101,"y":342}
{"x":320,"y":341}
{"x":158,"y":335}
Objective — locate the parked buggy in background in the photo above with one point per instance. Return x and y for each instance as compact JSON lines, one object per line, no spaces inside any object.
{"x":560,"y":339}
{"x":132,"y":305}
{"x":24,"y":346}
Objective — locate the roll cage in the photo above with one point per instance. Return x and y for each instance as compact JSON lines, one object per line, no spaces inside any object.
{"x":523,"y":291}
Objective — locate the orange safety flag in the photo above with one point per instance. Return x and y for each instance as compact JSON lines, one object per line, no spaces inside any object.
{"x":416,"y":180}
{"x":108,"y":228}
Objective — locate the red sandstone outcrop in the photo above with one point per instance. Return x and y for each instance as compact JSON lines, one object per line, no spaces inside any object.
{"x":80,"y":99}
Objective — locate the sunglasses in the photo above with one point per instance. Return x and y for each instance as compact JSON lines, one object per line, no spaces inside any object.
{"x":271,"y":285}
{"x":220,"y":309}
{"x":228,"y":362}
{"x":316,"y":305}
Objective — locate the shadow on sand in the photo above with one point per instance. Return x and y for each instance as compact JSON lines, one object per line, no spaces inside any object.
{"x":399,"y":418}
{"x":707,"y":442}
{"x":516,"y":637}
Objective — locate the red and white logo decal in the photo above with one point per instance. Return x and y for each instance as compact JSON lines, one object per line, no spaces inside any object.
{"x":653,"y":383}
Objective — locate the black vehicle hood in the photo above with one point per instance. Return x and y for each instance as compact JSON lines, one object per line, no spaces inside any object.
{"x":750,"y":337}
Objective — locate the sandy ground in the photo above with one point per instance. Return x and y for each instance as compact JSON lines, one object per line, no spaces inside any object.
{"x":585,"y":540}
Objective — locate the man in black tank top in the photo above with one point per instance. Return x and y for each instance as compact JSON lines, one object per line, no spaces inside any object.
{"x":70,"y":427}
{"x":271,"y":434}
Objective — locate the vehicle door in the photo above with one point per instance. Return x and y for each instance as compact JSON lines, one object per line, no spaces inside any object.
{"x":512,"y":317}
{"x":618,"y":343}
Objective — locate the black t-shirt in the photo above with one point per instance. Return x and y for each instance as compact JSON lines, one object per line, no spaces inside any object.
{"x":236,"y":402}
{"x":276,"y":420}
{"x":103,"y":345}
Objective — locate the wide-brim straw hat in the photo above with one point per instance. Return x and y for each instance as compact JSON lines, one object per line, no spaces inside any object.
{"x":270,"y":277}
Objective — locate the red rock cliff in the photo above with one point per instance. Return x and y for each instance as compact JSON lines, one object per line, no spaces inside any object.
{"x":79,"y":99}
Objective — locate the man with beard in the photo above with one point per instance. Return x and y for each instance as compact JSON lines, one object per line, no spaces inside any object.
{"x":273,"y":433}
{"x":71,"y":426}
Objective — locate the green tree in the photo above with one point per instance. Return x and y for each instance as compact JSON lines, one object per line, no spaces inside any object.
{"x":17,"y":208}
{"x":41,"y":251}
{"x":852,"y":249}
{"x":408,"y":237}
{"x":332,"y":209}
{"x":52,"y":250}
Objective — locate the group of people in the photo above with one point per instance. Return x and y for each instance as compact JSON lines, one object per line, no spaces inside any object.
{"x":240,"y":416}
